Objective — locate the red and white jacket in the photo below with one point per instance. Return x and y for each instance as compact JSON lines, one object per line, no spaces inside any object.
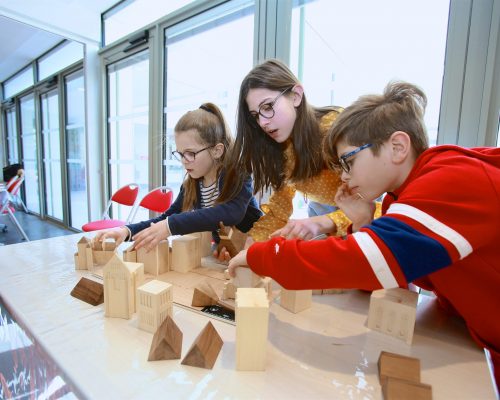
{"x":439,"y":230}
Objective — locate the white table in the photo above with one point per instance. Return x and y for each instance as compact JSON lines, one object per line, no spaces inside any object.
{"x":325,"y":352}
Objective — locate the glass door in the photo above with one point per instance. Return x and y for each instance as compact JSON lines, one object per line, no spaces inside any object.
{"x":75,"y":149}
{"x":30,"y":152}
{"x":52,"y":154}
{"x":11,"y":128}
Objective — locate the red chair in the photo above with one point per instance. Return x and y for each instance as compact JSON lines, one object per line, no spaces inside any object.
{"x":7,"y":202}
{"x":158,"y":200}
{"x":127,"y":196}
{"x":13,"y":186}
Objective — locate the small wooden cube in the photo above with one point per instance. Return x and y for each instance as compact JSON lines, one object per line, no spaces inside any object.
{"x":185,"y":253}
{"x":296,"y":300}
{"x":398,"y":366}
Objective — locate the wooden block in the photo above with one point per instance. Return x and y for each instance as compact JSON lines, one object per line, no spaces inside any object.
{"x":267,"y":284}
{"x":332,"y":291}
{"x":205,"y":349}
{"x":156,"y":260}
{"x":101,"y":257}
{"x":246,"y":278}
{"x":229,"y":291}
{"x":396,"y":389}
{"x":393,"y":312}
{"x":204,"y":295}
{"x":226,"y":274}
{"x":317,"y":292}
{"x":130,"y":254}
{"x":82,"y":245}
{"x":89,"y":291}
{"x":232,"y":239}
{"x":252,"y":322}
{"x":295,"y":300}
{"x":398,"y":366}
{"x":205,"y":242}
{"x":89,"y":258}
{"x":167,"y":342}
{"x":109,"y":245}
{"x":154,"y":304}
{"x":185,"y":253}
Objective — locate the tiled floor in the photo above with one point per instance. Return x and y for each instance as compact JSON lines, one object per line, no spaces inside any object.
{"x":34,"y":227}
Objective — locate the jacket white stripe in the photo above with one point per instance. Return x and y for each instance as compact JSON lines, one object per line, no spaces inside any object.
{"x":376,"y":259}
{"x":463,"y":247}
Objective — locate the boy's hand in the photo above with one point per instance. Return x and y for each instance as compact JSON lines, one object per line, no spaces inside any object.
{"x":239,"y":260}
{"x":119,"y":235}
{"x":305,"y":229}
{"x":359,"y":210}
{"x":223,"y":256}
{"x":150,"y":237}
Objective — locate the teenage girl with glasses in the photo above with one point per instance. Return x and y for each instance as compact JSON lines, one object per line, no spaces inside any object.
{"x":279,"y":141}
{"x":202,"y":140}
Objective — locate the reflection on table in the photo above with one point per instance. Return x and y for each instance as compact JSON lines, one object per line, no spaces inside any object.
{"x":324,"y":352}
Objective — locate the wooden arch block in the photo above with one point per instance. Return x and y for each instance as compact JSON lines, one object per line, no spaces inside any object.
{"x":167,"y":342}
{"x":205,"y":349}
{"x":204,"y":295}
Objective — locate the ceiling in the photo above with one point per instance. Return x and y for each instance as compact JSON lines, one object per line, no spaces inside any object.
{"x":29,"y":28}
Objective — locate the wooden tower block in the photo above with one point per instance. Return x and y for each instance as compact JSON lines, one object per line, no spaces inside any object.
{"x":101,"y":257}
{"x":393,"y":312}
{"x":204,"y":295}
{"x":89,"y":258}
{"x":185,"y":253}
{"x":156,"y":260}
{"x":167,"y":342}
{"x":205,"y":242}
{"x":154,"y":304}
{"x":296,"y":300}
{"x":396,"y":389}
{"x":267,"y":284}
{"x":109,"y":245}
{"x":81,"y":254}
{"x":252,"y":322}
{"x":398,"y":366}
{"x":232,"y":239}
{"x":121,"y":280}
{"x":89,"y":291}
{"x":205,"y":349}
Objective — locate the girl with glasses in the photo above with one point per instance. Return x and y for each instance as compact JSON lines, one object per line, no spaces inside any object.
{"x":202,"y":140}
{"x":279,"y":140}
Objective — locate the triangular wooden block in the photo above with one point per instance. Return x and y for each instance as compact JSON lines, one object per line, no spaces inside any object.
{"x":89,"y":291}
{"x":205,"y":349}
{"x":167,"y":342}
{"x":204,"y":295}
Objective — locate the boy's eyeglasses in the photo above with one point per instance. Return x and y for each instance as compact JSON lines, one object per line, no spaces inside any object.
{"x":267,"y":109}
{"x":344,"y":164}
{"x":189,"y":156}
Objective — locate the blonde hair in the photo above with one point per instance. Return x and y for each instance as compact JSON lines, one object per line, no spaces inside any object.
{"x":212,"y":129}
{"x":374,"y":118}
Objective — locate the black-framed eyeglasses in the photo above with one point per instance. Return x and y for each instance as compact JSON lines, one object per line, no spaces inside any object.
{"x":343,"y":159}
{"x":189,"y":156}
{"x":267,"y":109}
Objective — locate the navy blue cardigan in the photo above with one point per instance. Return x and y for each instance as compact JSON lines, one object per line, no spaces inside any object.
{"x":242,"y":212}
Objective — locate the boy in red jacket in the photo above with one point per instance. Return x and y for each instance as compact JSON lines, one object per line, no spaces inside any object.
{"x":440,"y":216}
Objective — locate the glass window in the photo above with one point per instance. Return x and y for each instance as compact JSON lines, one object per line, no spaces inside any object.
{"x":52,"y":154}
{"x":191,"y":80}
{"x":75,"y":149}
{"x":128,"y":120}
{"x":59,"y":58}
{"x":30,"y":157}
{"x":132,"y":15}
{"x":22,"y":80}
{"x":11,"y":126}
{"x":343,"y":49}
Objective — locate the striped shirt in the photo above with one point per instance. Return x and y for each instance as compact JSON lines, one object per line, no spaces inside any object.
{"x":208,"y":194}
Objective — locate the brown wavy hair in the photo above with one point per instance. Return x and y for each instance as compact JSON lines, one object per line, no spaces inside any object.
{"x":374,"y":118}
{"x":256,"y":153}
{"x":212,"y":128}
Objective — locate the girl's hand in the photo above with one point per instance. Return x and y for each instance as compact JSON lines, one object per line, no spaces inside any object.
{"x":150,"y":237}
{"x":359,"y":210}
{"x":119,"y":235}
{"x":306,"y":229}
{"x":239,"y":260}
